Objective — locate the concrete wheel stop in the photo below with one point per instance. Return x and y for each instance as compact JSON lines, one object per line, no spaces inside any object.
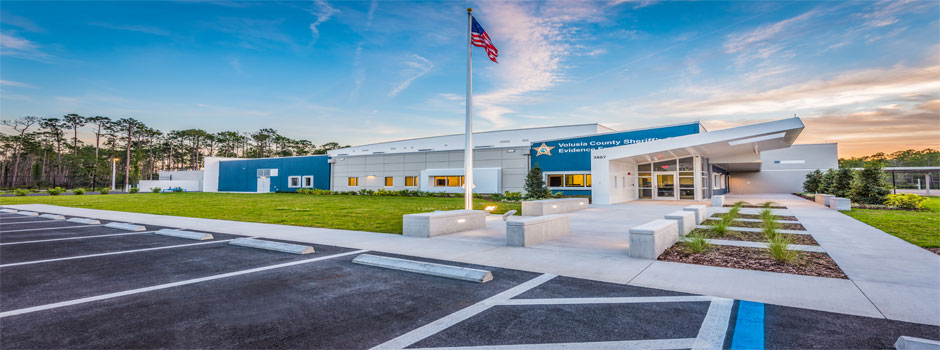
{"x":271,"y":245}
{"x":426,"y":268}
{"x":199,"y":236}
{"x":84,"y":221}
{"x":125,"y":226}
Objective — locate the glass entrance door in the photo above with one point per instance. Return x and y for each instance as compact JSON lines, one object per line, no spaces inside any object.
{"x":665,"y":186}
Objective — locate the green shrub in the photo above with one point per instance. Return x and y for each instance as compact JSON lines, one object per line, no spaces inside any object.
{"x":696,"y":243}
{"x":78,"y":191}
{"x":813,"y":180}
{"x":55,"y":191}
{"x":155,"y":189}
{"x":906,"y":201}
{"x":104,"y":190}
{"x":826,"y":182}
{"x":778,"y":250}
{"x":134,"y":190}
{"x":870,"y":186}
{"x":366,"y":192}
{"x":20,"y":191}
{"x":535,"y":186}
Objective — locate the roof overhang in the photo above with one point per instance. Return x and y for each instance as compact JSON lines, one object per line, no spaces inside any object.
{"x":736,"y":149}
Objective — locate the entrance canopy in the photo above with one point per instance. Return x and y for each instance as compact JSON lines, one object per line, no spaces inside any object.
{"x":733,"y":149}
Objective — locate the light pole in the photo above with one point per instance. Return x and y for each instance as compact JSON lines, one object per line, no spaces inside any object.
{"x":113,"y":173}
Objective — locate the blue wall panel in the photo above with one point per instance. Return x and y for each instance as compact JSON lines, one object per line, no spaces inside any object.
{"x":574,"y":154}
{"x":241,"y":175}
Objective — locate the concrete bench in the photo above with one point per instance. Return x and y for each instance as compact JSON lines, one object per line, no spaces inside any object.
{"x":839,"y":203}
{"x":651,"y":239}
{"x":553,"y":206}
{"x":822,"y":198}
{"x":442,"y":222}
{"x":699,"y":211}
{"x":533,"y":230}
{"x":685,"y":219}
{"x":718,"y":201}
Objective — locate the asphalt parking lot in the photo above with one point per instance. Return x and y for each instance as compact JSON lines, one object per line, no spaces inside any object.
{"x":68,"y":285}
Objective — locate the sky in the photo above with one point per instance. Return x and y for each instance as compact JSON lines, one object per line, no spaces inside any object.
{"x":865,"y":74}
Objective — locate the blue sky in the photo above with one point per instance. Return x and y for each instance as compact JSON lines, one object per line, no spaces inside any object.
{"x":865,"y":74}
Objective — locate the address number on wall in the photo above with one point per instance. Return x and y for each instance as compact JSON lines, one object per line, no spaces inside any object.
{"x":600,"y":157}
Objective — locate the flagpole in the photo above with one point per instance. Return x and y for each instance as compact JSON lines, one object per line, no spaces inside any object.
{"x":468,"y":146}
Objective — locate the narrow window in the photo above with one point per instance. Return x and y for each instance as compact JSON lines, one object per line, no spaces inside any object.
{"x":587,"y":180}
{"x":410,"y":181}
{"x":353,"y":181}
{"x":555,"y":180}
{"x":440,"y":181}
{"x":389,"y":181}
{"x":574,"y":180}
{"x":308,"y":181}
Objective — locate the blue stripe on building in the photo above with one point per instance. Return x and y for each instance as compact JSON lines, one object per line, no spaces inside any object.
{"x":242,"y":175}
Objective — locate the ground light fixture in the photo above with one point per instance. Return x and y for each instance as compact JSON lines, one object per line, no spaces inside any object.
{"x":490,"y":208}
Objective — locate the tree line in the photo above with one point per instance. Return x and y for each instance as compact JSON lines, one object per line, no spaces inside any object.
{"x":910,"y":157}
{"x":47,"y":152}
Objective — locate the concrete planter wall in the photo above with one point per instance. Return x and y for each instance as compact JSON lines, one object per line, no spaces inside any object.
{"x":553,"y":206}
{"x":699,"y":211}
{"x":442,"y":222}
{"x":822,"y":198}
{"x":685,"y":219}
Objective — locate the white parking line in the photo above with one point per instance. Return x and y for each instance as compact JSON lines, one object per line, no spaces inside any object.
{"x":45,"y":221}
{"x":170,"y":285}
{"x":652,"y":344}
{"x":48,"y":228}
{"x":715,"y":325}
{"x":71,"y":238}
{"x":615,"y":300}
{"x":26,"y":219}
{"x":110,"y":253}
{"x":447,"y":321}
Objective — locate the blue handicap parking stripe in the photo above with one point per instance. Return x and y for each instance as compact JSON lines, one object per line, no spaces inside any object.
{"x":749,"y":326}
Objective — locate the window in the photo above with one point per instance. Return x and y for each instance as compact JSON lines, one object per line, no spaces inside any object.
{"x":669,"y":165}
{"x":448,"y":181}
{"x":353,"y":182}
{"x":267,"y":172}
{"x":574,"y":180}
{"x":555,"y":180}
{"x":293,"y":181}
{"x":308,"y":181}
{"x":411,"y":181}
{"x":717,"y":183}
{"x":389,"y":181}
{"x":569,"y":180}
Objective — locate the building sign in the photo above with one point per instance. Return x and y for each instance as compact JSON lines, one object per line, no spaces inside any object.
{"x":574,"y":154}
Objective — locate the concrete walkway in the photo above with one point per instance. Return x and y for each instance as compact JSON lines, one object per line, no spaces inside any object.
{"x":597,"y":250}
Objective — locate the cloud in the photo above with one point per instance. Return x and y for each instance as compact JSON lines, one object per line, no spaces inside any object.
{"x":359,"y":73}
{"x":371,"y":15}
{"x":323,"y":12}
{"x":13,"y":45}
{"x":636,"y":3}
{"x":416,"y":68}
{"x":869,"y":131}
{"x":845,"y":89}
{"x":533,"y":42}
{"x":886,"y":12}
{"x":133,"y":28}
{"x":23,"y":23}
{"x":254,"y":33}
{"x":17,"y":84}
{"x":236,"y":64}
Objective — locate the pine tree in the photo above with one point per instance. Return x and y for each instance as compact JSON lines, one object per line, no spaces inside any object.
{"x":825,"y":184}
{"x":870,"y":186}
{"x":842,"y":182}
{"x":813,"y":180}
{"x":535,"y":185}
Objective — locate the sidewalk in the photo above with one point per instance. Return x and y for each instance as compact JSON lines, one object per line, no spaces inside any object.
{"x":602,"y":256}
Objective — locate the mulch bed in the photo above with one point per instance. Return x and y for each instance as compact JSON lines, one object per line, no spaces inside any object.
{"x":809,"y":264}
{"x":756,"y":236}
{"x":756,"y":206}
{"x":934,"y":250}
{"x":776,"y":217}
{"x":782,"y":226}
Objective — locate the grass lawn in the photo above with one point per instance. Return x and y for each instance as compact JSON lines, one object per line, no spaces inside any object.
{"x":362,"y":213}
{"x":918,"y":227}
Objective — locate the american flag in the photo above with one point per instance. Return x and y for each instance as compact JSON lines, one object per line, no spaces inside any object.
{"x":479,"y":38}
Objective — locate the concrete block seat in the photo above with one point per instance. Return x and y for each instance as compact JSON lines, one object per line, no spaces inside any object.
{"x":718,"y":201}
{"x":822,"y":198}
{"x":699,"y":211}
{"x":651,"y":239}
{"x":839,"y":203}
{"x":553,"y":206}
{"x":533,"y":230}
{"x":442,"y":222}
{"x":685,"y":219}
